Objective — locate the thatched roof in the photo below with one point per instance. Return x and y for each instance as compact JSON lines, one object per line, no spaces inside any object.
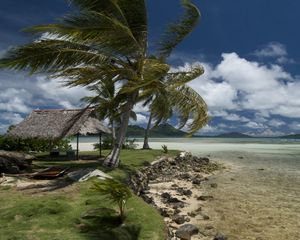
{"x":56,"y":124}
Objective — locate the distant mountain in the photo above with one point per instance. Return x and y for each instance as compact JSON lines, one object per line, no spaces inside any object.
{"x":233,"y":135}
{"x":292,"y":136}
{"x":163,"y":130}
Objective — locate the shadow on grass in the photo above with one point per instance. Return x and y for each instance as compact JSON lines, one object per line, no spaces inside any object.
{"x":107,"y":225}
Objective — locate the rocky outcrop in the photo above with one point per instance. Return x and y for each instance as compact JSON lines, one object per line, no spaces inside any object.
{"x":15,"y":162}
{"x":166,"y":168}
{"x":172,"y":203}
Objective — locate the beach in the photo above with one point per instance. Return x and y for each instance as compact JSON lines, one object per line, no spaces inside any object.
{"x":257,"y":195}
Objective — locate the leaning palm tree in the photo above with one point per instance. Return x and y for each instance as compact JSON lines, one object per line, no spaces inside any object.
{"x":104,"y":40}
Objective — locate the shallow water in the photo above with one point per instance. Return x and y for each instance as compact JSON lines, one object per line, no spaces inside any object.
{"x":258,"y":194}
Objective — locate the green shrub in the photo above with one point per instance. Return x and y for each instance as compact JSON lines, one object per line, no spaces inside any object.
{"x":165,"y":148}
{"x":32,"y":144}
{"x":115,"y":192}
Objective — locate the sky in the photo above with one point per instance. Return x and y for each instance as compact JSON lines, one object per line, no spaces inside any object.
{"x":249,"y":49}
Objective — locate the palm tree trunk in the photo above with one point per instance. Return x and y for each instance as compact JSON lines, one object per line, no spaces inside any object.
{"x":113,"y":131}
{"x":146,"y":142}
{"x":113,"y":159}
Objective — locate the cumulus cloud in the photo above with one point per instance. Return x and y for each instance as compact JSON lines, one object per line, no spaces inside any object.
{"x":239,"y":84}
{"x":63,"y":96}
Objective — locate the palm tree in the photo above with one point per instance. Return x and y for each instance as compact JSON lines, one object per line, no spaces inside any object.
{"x":105,"y":40}
{"x":105,"y":103}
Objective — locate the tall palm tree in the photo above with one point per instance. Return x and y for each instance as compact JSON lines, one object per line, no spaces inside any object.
{"x":105,"y":40}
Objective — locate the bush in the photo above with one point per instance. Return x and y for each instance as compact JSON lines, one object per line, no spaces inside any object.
{"x":165,"y":148}
{"x":114,"y":192}
{"x":32,"y":144}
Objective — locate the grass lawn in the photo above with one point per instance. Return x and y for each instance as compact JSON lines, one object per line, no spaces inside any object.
{"x":57,"y":214}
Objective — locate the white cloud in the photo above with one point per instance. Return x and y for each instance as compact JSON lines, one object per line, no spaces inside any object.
{"x":15,"y":100}
{"x":12,"y":118}
{"x":140,"y":119}
{"x":239,"y":84}
{"x":272,"y":50}
{"x":276,"y":123}
{"x":255,"y":125}
{"x":63,"y":96}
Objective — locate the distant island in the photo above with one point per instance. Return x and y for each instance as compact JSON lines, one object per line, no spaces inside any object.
{"x":163,"y":130}
{"x":168,"y":131}
{"x":291,"y":136}
{"x":233,"y":135}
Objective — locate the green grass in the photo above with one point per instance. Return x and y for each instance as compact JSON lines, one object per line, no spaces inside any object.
{"x":57,"y":215}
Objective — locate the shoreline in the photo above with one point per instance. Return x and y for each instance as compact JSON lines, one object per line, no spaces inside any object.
{"x":174,"y":187}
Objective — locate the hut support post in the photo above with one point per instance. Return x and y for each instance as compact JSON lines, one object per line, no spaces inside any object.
{"x":77,"y":147}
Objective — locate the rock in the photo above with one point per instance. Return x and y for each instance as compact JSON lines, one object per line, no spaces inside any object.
{"x":261,"y":169}
{"x":176,"y":211}
{"x":15,"y":162}
{"x":192,"y":214}
{"x":197,"y":181}
{"x":220,"y":237}
{"x":214,"y":185}
{"x":205,"y":198}
{"x":179,"y":219}
{"x":186,"y":231}
{"x":178,"y":205}
{"x":165,"y":212}
{"x":185,"y":176}
{"x":173,"y":200}
{"x":205,"y":217}
{"x":148,"y":199}
{"x":240,"y":157}
{"x":85,"y":174}
{"x":166,"y":195}
{"x":185,"y":192}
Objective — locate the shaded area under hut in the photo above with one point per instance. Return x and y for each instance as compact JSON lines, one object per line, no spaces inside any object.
{"x":55,"y":124}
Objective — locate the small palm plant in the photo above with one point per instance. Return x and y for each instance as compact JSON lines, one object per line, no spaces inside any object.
{"x":115,"y":192}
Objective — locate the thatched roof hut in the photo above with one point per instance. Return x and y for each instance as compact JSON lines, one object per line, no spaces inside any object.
{"x":57,"y":124}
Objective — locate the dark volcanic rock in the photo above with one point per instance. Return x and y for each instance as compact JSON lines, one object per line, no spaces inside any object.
{"x":214,"y":185}
{"x":205,"y":198}
{"x":185,"y":192}
{"x":220,"y":237}
{"x":197,"y":181}
{"x":186,"y":231}
{"x":179,"y":219}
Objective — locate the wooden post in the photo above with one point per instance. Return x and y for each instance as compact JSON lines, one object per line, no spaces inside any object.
{"x":100,"y":144}
{"x":77,"y":150}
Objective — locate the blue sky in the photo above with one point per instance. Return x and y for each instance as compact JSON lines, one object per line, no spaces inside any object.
{"x":250,"y":51}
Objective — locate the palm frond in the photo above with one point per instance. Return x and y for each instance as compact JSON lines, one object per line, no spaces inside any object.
{"x":178,"y":31}
{"x":189,"y":106}
{"x":176,"y":79}
{"x":52,"y":56}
